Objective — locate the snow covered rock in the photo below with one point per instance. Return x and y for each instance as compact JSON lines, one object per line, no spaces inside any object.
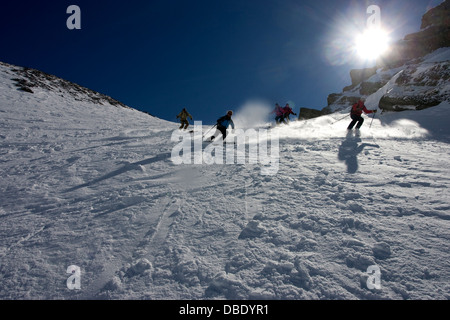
{"x":31,"y":80}
{"x":226,"y":286}
{"x":381,"y":250}
{"x":251,"y":230}
{"x":419,"y":86}
{"x":139,"y":268}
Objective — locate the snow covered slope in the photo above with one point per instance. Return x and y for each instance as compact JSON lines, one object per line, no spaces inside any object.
{"x":92,"y":184}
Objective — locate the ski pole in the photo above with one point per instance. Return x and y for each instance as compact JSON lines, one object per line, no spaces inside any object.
{"x":374,"y":114}
{"x":340,"y":119}
{"x":209,"y":130}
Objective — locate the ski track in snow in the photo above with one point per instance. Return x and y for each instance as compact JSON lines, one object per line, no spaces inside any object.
{"x":94,"y":186}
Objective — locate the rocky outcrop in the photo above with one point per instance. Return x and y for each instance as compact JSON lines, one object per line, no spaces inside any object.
{"x":359,"y":75}
{"x":339,"y":98}
{"x":438,"y":16}
{"x":367,"y":88}
{"x":423,"y":86}
{"x":415,"y":46}
{"x":388,"y":103}
{"x":340,"y":101}
{"x":307,"y":113}
{"x":434,"y":34}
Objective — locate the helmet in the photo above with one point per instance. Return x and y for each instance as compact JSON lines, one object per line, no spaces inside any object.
{"x":230,"y":113}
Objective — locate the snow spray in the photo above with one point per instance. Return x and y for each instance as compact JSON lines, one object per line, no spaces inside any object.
{"x":242,"y":147}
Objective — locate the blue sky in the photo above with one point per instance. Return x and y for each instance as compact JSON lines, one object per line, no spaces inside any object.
{"x":208,"y":56}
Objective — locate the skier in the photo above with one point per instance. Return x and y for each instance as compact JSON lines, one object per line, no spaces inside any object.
{"x":279,"y":112}
{"x":287,"y":111}
{"x":183,"y":115}
{"x":356,"y":112}
{"x":222,"y":125}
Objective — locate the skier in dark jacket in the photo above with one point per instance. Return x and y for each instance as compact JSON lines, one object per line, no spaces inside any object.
{"x":223,"y":123}
{"x":183,"y":115}
{"x":357,"y":110}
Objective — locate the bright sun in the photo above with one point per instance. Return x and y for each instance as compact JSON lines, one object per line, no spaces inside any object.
{"x":372,"y":43}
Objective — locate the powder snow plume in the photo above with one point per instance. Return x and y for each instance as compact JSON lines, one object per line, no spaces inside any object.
{"x":252,"y":114}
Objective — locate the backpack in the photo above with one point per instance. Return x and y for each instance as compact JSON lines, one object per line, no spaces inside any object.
{"x":357,"y":108}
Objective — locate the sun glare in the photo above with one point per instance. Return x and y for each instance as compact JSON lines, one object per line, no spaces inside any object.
{"x":372,"y":44}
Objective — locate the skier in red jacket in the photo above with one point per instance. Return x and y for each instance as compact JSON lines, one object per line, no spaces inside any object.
{"x":287,"y":111}
{"x":279,"y":112}
{"x":357,"y":110}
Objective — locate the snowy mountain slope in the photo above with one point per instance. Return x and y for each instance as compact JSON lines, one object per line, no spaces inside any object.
{"x":93,"y":185}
